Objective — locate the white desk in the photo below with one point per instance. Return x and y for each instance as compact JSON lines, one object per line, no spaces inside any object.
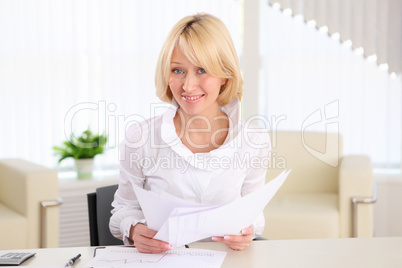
{"x":350,"y":252}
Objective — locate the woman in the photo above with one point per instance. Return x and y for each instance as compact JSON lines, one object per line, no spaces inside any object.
{"x":198,"y":150}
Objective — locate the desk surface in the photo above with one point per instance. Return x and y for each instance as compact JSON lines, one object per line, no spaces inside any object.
{"x":347,"y":252}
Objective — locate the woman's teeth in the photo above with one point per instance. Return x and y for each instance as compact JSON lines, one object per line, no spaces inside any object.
{"x":192,"y":98}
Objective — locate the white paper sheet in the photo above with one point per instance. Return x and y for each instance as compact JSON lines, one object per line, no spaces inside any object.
{"x":157,"y":208}
{"x":182,"y":257}
{"x":179,"y":222}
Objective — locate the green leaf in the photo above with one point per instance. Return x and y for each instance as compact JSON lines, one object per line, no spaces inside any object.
{"x":87,"y":145}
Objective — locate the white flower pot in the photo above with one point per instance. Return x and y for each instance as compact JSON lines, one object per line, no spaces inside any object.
{"x":84,"y":167}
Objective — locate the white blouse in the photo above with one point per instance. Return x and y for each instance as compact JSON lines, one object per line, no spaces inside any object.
{"x":152,"y":156}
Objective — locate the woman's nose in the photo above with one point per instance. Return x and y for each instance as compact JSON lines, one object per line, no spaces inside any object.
{"x":190,"y":83}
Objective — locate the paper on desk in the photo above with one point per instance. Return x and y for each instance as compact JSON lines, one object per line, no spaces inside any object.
{"x":184,"y":257}
{"x":179,"y":222}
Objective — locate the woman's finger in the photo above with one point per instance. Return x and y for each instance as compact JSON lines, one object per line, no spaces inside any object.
{"x":237,"y":242}
{"x":144,"y":242}
{"x":144,"y":248}
{"x":247,"y":231}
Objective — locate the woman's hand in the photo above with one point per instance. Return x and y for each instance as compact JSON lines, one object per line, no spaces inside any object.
{"x":143,"y":240}
{"x":237,"y":242}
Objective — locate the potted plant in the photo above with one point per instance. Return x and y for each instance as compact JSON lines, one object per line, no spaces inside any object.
{"x":83,"y":149}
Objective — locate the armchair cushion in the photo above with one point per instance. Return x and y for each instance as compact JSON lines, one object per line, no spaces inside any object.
{"x":302,"y":216}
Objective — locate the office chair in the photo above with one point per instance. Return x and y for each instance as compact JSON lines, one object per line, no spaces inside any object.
{"x":99,"y":212}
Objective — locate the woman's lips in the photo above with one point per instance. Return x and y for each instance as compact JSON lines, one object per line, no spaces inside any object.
{"x":192,"y":98}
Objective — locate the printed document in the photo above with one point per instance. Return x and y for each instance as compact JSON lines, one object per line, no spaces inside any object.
{"x":180,"y":222}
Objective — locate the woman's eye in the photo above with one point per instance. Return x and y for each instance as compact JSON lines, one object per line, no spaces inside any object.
{"x":201,"y":71}
{"x":177,"y":71}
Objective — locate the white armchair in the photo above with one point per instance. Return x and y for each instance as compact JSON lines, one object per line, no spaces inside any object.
{"x":318,"y":198}
{"x":28,"y":205}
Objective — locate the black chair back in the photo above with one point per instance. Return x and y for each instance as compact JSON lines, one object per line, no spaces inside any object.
{"x":99,"y":212}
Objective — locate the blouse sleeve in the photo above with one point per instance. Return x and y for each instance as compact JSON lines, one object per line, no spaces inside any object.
{"x":261,"y":145}
{"x":126,"y":208}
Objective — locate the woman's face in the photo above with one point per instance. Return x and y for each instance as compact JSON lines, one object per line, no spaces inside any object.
{"x":195,"y":90}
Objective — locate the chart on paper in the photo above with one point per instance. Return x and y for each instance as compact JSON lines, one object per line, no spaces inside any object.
{"x":128,"y":257}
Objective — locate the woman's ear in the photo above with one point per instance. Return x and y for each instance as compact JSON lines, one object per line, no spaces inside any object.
{"x":223,"y":85}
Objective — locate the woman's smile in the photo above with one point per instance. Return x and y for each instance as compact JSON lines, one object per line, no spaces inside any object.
{"x":192,"y":98}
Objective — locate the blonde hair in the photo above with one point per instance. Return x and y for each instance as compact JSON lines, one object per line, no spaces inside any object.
{"x":206,"y":42}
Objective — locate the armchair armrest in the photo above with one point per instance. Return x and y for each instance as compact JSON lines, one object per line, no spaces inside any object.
{"x":356,"y":184}
{"x":24,"y":185}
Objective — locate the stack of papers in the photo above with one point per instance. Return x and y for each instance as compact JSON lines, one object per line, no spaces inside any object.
{"x":180,"y":222}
